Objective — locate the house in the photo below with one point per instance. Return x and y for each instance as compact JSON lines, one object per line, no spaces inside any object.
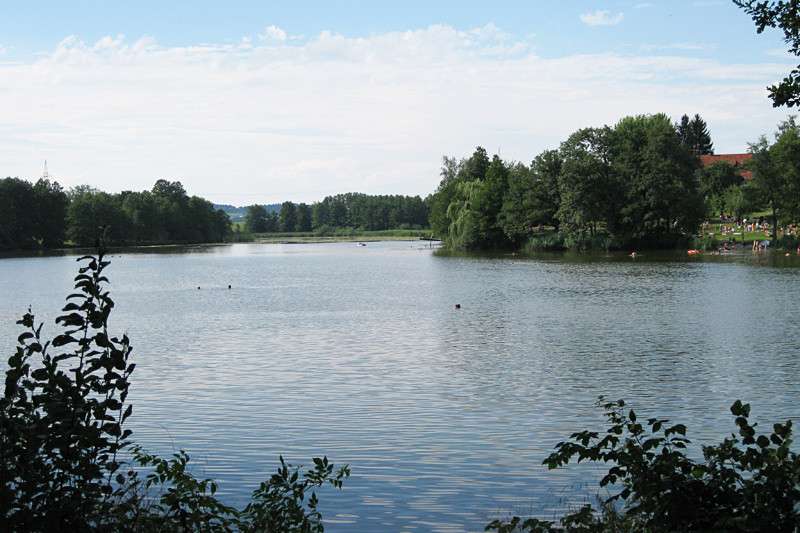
{"x":734,"y":159}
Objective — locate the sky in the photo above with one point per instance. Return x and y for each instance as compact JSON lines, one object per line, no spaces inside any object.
{"x":249,"y":102}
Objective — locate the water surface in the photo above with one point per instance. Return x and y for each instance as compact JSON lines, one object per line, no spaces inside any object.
{"x":444,"y":415}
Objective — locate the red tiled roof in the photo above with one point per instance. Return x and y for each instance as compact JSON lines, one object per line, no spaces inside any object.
{"x":733,"y":159}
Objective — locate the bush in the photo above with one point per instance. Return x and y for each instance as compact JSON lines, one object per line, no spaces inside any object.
{"x":787,"y":242}
{"x":746,"y":483}
{"x":324,"y":231}
{"x":67,"y":464}
{"x":550,"y":241}
{"x":705,"y":243}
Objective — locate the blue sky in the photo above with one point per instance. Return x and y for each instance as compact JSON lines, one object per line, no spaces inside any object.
{"x":247,"y":102}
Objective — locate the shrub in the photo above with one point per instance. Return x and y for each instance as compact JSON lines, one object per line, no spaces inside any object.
{"x":746,"y":483}
{"x":546,"y":242}
{"x":705,"y":243}
{"x":787,"y":242}
{"x":67,"y":464}
{"x":324,"y":231}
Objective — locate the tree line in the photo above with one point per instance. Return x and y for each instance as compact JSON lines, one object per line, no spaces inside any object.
{"x":774,"y":185}
{"x":350,"y":210}
{"x":776,"y":177}
{"x":628,"y":185}
{"x":44,"y":215}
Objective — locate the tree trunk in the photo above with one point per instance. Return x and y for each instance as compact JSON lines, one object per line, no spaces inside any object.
{"x":774,"y":223}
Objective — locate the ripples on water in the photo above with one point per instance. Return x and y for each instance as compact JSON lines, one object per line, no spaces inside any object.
{"x":357,"y":353}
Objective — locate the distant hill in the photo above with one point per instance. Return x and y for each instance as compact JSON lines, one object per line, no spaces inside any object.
{"x":237,"y":213}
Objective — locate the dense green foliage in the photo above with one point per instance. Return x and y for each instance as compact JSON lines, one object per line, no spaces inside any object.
{"x":68,"y":464}
{"x":749,"y":482}
{"x":369,"y":212}
{"x":776,"y":173}
{"x":715,"y":181}
{"x":630,"y":185}
{"x":342,"y":211}
{"x":32,"y":214}
{"x":165,"y":214}
{"x":784,"y":15}
{"x":256,"y":220}
{"x":43,"y":215}
{"x":694,"y":134}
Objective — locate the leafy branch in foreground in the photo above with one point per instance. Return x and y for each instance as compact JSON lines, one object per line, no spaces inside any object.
{"x":67,"y":464}
{"x":744,"y":483}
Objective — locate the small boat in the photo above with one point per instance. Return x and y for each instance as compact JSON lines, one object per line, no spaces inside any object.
{"x":361,"y":244}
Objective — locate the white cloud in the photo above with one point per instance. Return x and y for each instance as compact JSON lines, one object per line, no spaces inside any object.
{"x":601,"y":18}
{"x":274,"y":33}
{"x":297,"y":120}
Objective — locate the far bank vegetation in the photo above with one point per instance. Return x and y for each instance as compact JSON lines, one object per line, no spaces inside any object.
{"x":638,"y":184}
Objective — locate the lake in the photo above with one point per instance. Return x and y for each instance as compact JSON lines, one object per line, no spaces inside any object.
{"x":444,"y":415}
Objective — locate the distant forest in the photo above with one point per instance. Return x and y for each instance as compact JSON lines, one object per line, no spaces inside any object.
{"x":237,"y":213}
{"x":350,"y":210}
{"x":43,"y":215}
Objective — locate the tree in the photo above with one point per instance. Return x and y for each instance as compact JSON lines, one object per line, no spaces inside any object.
{"x":694,"y":134}
{"x":272,"y":222}
{"x":415,"y":211}
{"x":487,"y":205}
{"x":453,"y":173}
{"x":172,"y":190}
{"x":319,"y":213}
{"x":533,"y":198}
{"x":585,"y":183}
{"x":91,"y":212}
{"x":463,"y":233}
{"x":146,"y":224}
{"x":50,"y":217}
{"x":208,"y":224}
{"x":766,"y":177}
{"x":440,"y":200}
{"x":785,"y":16}
{"x":287,"y":219}
{"x":303,"y":217}
{"x":17,"y":206}
{"x":715,"y":179}
{"x":81,"y":190}
{"x":786,"y":155}
{"x":739,"y":200}
{"x":173,"y":203}
{"x":255,"y":221}
{"x":656,"y":172}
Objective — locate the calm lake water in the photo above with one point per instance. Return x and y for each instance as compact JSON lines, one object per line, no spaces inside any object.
{"x":444,"y":415}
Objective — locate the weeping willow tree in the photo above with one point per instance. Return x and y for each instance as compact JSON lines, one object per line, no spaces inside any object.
{"x":464,"y":229}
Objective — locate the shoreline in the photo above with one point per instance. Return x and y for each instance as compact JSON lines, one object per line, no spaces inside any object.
{"x":43,"y":252}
